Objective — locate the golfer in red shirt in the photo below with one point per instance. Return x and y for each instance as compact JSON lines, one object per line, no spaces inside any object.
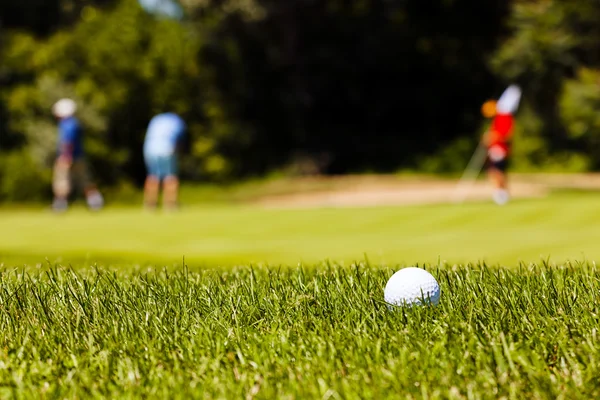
{"x":498,"y":139}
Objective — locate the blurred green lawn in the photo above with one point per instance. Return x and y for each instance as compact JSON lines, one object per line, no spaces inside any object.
{"x":564,"y":226}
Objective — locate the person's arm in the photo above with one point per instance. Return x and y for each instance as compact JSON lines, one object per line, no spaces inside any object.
{"x":67,"y":147}
{"x":485,"y":138}
{"x":66,"y":153}
{"x":181,"y":138}
{"x":489,"y":135}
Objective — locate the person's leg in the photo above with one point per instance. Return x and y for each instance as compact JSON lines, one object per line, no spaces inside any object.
{"x":170,"y":192}
{"x":497,"y":163}
{"x":497,"y":174}
{"x":61,"y":186}
{"x":171,"y":184}
{"x":151,"y":189}
{"x":93,"y":197}
{"x":152,"y":184}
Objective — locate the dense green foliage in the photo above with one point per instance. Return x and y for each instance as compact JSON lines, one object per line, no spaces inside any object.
{"x":554,"y":52}
{"x":318,"y":332}
{"x":302,"y":86}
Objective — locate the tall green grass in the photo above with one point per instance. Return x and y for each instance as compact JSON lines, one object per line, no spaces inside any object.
{"x":308,"y":332}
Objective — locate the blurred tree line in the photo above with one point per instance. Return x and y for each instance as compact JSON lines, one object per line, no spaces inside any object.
{"x":299,"y":86}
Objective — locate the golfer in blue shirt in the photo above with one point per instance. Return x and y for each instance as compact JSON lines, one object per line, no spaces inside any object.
{"x":70,"y":167}
{"x":160,"y":155}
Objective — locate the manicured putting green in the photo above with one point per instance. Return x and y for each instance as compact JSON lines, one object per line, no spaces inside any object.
{"x":562,"y":226}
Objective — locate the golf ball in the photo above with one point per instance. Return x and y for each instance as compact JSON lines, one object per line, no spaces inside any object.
{"x":412,"y":286}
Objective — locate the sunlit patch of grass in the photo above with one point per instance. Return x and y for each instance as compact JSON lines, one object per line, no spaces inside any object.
{"x":309,"y":332}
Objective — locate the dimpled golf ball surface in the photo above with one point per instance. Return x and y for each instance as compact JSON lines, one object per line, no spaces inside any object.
{"x":410,"y":286}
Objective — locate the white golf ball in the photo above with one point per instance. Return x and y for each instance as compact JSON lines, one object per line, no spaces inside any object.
{"x":412,"y":286}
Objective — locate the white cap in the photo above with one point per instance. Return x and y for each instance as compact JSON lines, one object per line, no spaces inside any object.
{"x":509,"y":101}
{"x":64,"y":108}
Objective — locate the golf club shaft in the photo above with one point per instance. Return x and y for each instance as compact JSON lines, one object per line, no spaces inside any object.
{"x":470,"y":173}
